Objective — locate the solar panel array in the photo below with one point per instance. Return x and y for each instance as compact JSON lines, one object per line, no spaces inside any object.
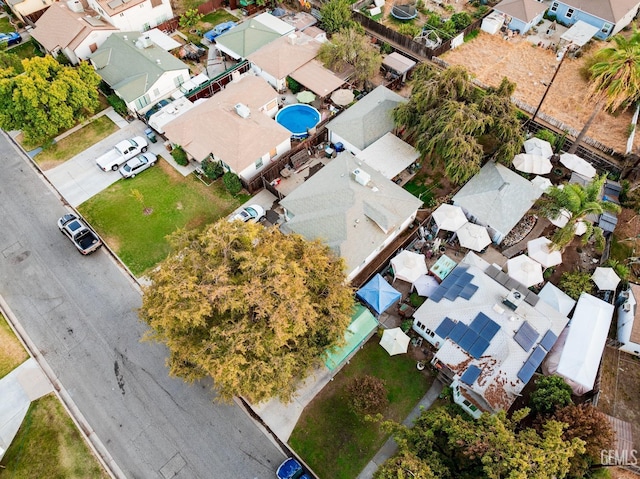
{"x":470,"y":375}
{"x":473,"y":339}
{"x":456,"y":285}
{"x":526,"y":336}
{"x":505,"y":280}
{"x":536,"y":357}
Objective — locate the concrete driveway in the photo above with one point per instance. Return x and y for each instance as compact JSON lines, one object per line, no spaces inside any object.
{"x":79,"y":178}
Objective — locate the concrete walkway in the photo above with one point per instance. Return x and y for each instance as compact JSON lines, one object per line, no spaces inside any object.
{"x":541,"y":224}
{"x":390,"y":447}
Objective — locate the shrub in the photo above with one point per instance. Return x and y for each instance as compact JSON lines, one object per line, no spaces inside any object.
{"x":575,"y":282}
{"x":461,"y":20}
{"x":367,"y":395}
{"x":547,"y":136}
{"x":118,"y":104}
{"x":481,"y":11}
{"x":385,"y":48}
{"x":409,"y":29}
{"x":551,"y":393}
{"x":472,"y":35}
{"x":232,"y":183}
{"x":180,"y":156}
{"x":293,"y":85}
{"x":212,"y":169}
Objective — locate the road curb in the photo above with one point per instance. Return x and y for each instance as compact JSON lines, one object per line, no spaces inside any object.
{"x":92,"y":439}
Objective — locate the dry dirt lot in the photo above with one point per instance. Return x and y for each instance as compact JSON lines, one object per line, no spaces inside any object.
{"x":490,"y":57}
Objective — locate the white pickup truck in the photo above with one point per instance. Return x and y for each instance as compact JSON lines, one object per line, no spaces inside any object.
{"x":123,"y":151}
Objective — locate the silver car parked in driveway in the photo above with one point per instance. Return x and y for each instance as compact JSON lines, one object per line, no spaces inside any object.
{"x":138,"y":164}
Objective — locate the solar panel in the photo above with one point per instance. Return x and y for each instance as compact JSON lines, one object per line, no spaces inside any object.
{"x":478,"y":348}
{"x":526,"y":372}
{"x":479,"y":322}
{"x":537,"y":356}
{"x":470,"y":375}
{"x":445,"y":327}
{"x":468,"y":291}
{"x":468,"y":339}
{"x":548,"y":340}
{"x":492,"y":271}
{"x":526,"y":336}
{"x":531,"y":298}
{"x":458,"y":331}
{"x":436,"y":296}
{"x":489,"y":330}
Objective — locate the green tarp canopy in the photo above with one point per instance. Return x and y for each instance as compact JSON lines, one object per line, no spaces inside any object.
{"x":362,"y":324}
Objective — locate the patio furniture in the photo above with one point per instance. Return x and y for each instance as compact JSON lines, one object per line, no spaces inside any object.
{"x":443,"y":267}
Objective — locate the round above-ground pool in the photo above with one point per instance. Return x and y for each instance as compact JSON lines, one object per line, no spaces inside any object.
{"x":298,"y":119}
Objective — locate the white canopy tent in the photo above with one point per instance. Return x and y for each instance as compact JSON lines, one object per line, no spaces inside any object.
{"x":540,"y":250}
{"x":473,"y":236}
{"x":408,"y":266}
{"x":541,"y":182}
{"x":536,"y":146}
{"x":530,"y":163}
{"x":524,"y":270}
{"x":585,"y":342}
{"x":395,"y":341}
{"x":558,"y":299}
{"x":577,"y":164}
{"x":449,"y":217}
{"x":425,"y":285}
{"x":606,"y":279}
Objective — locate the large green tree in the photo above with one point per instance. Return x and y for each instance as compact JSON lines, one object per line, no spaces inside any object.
{"x":615,"y":79}
{"x":492,"y":447}
{"x":248,"y":306}
{"x":351,"y":47}
{"x":551,"y":392}
{"x":455,"y":124}
{"x":336,"y":15}
{"x":47,"y":98}
{"x":580,"y":201}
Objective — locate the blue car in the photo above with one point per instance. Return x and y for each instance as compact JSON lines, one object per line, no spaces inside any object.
{"x":219,"y":30}
{"x":10,"y":38}
{"x":291,"y":469}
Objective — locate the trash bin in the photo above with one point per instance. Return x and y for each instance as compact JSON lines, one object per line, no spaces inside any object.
{"x":339,"y":147}
{"x":151,"y":135}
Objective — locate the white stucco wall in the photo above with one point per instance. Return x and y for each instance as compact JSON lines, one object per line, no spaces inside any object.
{"x":162,"y":88}
{"x":334,"y":138}
{"x":139,"y":17}
{"x":251,"y":171}
{"x":277,"y":84}
{"x":83,"y":50}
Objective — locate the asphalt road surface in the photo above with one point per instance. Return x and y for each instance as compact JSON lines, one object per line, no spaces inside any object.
{"x":81,"y":314}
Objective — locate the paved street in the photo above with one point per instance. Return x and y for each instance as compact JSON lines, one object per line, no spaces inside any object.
{"x":81,"y":314}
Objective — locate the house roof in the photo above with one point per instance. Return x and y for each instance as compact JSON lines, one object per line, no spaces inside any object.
{"x":116,"y":7}
{"x":317,"y":78}
{"x":214,"y":126}
{"x":286,"y":54}
{"x":130,"y":70}
{"x":579,"y":34}
{"x":498,"y":383}
{"x":246,"y":38}
{"x":398,"y":63}
{"x":585,"y":342}
{"x":59,"y":27}
{"x":274,"y":23}
{"x":353,"y":219}
{"x":369,"y":119}
{"x":610,"y":10}
{"x":497,"y":197}
{"x":524,"y":10}
{"x":389,"y":155}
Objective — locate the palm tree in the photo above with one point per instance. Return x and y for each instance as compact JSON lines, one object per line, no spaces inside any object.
{"x":615,"y":79}
{"x":580,"y":201}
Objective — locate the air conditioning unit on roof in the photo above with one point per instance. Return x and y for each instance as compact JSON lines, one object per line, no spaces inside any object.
{"x":513,"y":299}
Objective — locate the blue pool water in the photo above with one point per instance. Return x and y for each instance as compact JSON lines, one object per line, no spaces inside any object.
{"x":298,"y":118}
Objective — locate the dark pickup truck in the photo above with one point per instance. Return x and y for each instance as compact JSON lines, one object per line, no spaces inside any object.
{"x":80,"y":234}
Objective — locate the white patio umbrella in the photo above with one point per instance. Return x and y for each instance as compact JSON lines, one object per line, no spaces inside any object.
{"x":536,"y":146}
{"x":580,"y":228}
{"x":541,"y":182}
{"x":540,"y":250}
{"x":525,"y":270}
{"x":408,"y":266}
{"x":395,"y":341}
{"x":473,"y":236}
{"x":577,"y":164}
{"x":606,"y":279}
{"x":425,"y":285}
{"x":306,"y":96}
{"x":449,"y":217}
{"x":342,"y":97}
{"x":562,"y":219}
{"x":529,"y":163}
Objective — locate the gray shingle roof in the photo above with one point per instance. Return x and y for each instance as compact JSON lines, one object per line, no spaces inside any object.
{"x":131,"y":70}
{"x":369,"y":119}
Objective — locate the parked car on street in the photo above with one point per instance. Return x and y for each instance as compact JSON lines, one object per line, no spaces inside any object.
{"x":138,"y":164}
{"x":251,"y":213}
{"x":83,"y":237}
{"x":9,"y":39}
{"x":291,"y":469}
{"x":219,"y":30}
{"x":123,"y":151}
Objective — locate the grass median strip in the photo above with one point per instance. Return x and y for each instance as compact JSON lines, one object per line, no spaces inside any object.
{"x":12,"y":354}
{"x":336,"y":442}
{"x":76,"y":142}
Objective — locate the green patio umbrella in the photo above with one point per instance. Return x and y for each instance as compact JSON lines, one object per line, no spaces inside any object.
{"x":305,"y":97}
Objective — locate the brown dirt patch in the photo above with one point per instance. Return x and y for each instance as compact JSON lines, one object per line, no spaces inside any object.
{"x":490,"y":58}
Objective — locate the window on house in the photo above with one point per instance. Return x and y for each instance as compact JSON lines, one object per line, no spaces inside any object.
{"x":570,"y":12}
{"x":259,"y":163}
{"x":177,"y":81}
{"x":606,"y":28}
{"x":142,"y":101}
{"x":273,"y":153}
{"x":554,"y":7}
{"x":93,"y":47}
{"x":146,"y":27}
{"x":272,"y":105}
{"x":156,"y":92}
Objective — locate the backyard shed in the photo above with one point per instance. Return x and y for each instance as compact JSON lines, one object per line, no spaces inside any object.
{"x":398,"y":64}
{"x":389,"y":155}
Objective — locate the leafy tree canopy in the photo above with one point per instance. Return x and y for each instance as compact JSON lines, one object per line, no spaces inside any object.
{"x":248,"y":306}
{"x":551,"y":393}
{"x":10,"y":64}
{"x":336,"y":15}
{"x":574,"y":283}
{"x":455,"y":123}
{"x":493,"y":447}
{"x":47,"y":98}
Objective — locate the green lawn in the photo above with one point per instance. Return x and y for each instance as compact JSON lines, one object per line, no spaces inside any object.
{"x":136,"y":229}
{"x":333,"y":440}
{"x":48,"y":444}
{"x":5,"y":25}
{"x":26,"y":49}
{"x":218,"y":16}
{"x":12,"y":354}
{"x":76,"y":143}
